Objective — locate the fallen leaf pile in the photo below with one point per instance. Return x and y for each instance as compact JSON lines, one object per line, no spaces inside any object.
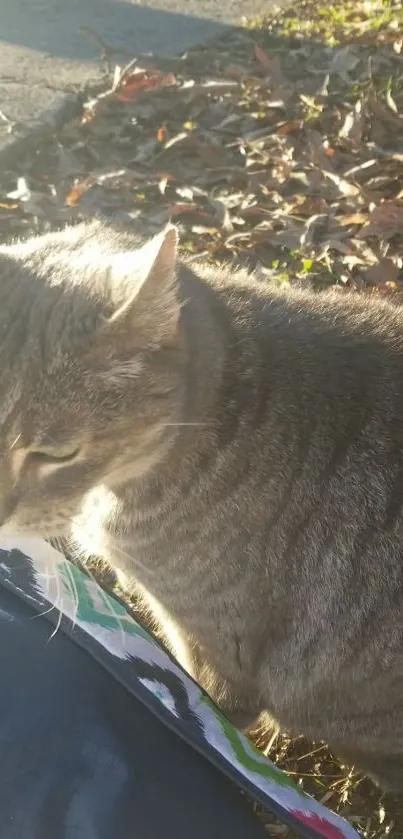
{"x":277,"y":148}
{"x":280,"y":148}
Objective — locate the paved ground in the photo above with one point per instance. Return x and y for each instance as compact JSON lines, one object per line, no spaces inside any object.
{"x":44,"y":54}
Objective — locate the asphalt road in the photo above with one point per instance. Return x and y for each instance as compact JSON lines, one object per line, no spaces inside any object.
{"x":44,"y":52}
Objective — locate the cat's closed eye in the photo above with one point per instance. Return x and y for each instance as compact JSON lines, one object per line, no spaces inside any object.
{"x":54,"y":454}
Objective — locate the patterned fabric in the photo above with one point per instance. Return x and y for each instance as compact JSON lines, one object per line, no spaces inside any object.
{"x":99,"y":623}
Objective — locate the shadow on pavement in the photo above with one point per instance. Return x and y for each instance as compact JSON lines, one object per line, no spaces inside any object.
{"x":53,"y":27}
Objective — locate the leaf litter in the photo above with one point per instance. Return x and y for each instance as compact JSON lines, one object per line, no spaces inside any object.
{"x":279,"y":148}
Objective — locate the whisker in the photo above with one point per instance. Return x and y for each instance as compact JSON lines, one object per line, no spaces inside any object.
{"x":46,"y":612}
{"x":57,"y":627}
{"x":51,"y":607}
{"x":111,"y":612}
{"x":83,"y":556}
{"x":131,"y":558}
{"x":58,"y":597}
{"x":74,"y":593}
{"x":80,"y":554}
{"x":174,"y":424}
{"x":17,"y":439}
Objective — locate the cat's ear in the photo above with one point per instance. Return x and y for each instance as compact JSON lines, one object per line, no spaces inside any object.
{"x":150,"y":310}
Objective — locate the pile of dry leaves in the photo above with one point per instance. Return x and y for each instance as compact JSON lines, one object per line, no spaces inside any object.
{"x":281,"y":148}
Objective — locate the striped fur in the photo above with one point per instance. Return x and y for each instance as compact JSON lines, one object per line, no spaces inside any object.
{"x":241,"y":466}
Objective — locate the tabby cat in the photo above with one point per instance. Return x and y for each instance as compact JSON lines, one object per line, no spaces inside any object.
{"x":235,"y":451}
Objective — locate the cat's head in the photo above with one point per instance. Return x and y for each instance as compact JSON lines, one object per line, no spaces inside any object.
{"x":89,"y":368}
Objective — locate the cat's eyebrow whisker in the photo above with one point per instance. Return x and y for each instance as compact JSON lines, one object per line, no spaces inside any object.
{"x":17,"y":439}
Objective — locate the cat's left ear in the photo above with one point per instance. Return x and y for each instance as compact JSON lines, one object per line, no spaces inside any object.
{"x":151,"y":308}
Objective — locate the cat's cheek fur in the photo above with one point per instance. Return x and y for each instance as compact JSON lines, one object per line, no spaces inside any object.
{"x":87,"y":530}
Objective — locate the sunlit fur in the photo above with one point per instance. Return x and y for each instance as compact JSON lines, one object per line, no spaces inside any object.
{"x":237,"y":457}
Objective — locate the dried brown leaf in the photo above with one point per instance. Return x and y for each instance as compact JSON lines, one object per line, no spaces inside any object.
{"x":383,"y":272}
{"x":352,"y":218}
{"x":271,"y":66}
{"x":289,"y":127}
{"x":78,"y":190}
{"x":262,"y":58}
{"x":162,"y":134}
{"x":384,"y":221}
{"x":142,"y":80}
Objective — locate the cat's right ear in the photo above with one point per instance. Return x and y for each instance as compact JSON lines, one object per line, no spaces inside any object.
{"x":150,"y":311}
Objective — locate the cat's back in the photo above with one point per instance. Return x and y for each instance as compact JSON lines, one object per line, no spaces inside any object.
{"x":302,"y":345}
{"x":334,"y":314}
{"x":313,"y":464}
